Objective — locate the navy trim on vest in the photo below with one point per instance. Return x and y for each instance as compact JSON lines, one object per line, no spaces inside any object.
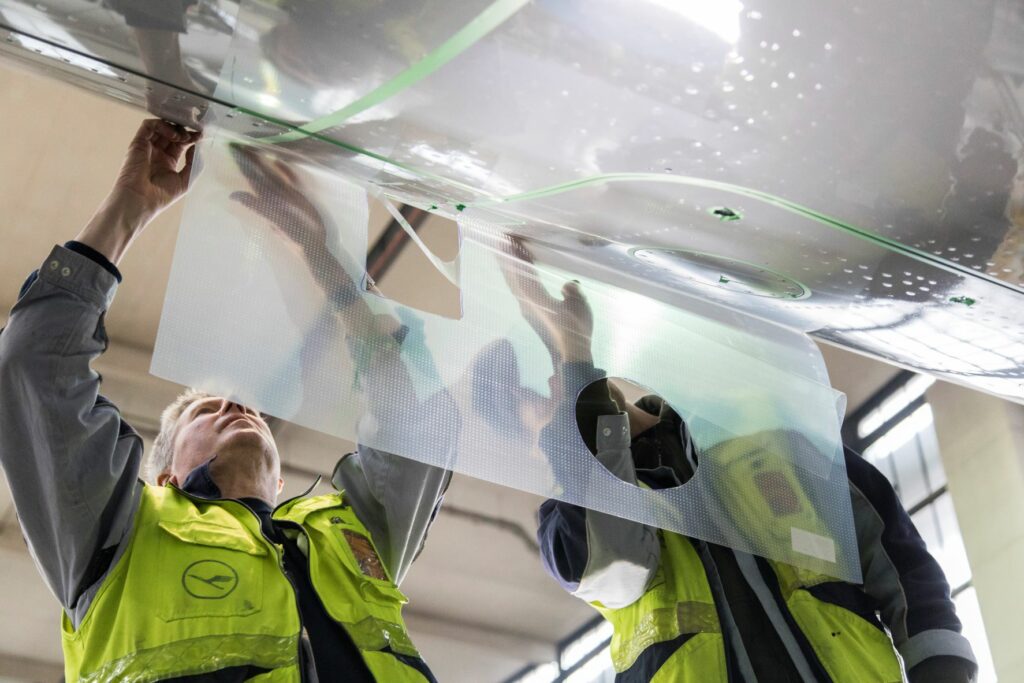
{"x":651,"y":660}
{"x":849,"y":597}
{"x":413,"y":662}
{"x":732,"y":668}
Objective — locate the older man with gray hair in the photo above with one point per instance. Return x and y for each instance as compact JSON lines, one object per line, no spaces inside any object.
{"x":195,"y":575}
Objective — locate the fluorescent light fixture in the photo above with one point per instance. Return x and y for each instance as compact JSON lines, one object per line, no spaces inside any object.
{"x":542,"y":673}
{"x":584,"y":646}
{"x":594,"y":669}
{"x":907,"y":429}
{"x":891,"y":406}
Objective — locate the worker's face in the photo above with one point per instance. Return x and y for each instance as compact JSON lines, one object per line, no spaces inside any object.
{"x":237,"y":436}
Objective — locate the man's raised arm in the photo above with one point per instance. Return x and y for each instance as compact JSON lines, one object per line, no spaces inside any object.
{"x":594,"y":556}
{"x":70,"y":460}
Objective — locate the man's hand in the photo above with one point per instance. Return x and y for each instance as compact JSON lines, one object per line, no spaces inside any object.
{"x":149,"y":177}
{"x":277,"y":193}
{"x":149,"y":182}
{"x":578,"y":321}
{"x":565,"y":326}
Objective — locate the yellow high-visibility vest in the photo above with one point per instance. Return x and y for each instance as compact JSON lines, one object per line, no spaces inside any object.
{"x":200,"y":588}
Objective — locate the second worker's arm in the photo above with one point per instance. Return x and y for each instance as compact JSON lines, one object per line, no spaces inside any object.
{"x":396,"y":498}
{"x":595,"y":556}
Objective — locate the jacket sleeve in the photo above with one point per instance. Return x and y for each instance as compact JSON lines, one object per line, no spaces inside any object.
{"x":595,"y":556}
{"x":906,"y":582}
{"x":397,"y":498}
{"x":70,"y":460}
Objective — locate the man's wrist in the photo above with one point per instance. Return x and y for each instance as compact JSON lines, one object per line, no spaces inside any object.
{"x":95,"y":256}
{"x":128,"y":208}
{"x":114,"y":225}
{"x":573,"y":355}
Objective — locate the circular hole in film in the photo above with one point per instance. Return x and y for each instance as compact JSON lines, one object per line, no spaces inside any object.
{"x":661,"y":456}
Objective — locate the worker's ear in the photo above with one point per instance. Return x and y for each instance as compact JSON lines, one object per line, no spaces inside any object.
{"x":164,"y":477}
{"x":280,"y":485}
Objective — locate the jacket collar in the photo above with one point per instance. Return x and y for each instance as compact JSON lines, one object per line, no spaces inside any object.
{"x":200,"y":484}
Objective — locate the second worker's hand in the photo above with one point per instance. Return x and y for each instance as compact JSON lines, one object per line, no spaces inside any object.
{"x":565,"y":326}
{"x":277,"y":192}
{"x":149,"y":181}
{"x":577,"y":324}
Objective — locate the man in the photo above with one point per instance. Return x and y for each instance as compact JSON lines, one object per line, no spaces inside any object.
{"x":195,"y":576}
{"x":689,"y":610}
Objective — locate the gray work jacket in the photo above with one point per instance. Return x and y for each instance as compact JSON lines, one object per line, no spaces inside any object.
{"x":73,"y":463}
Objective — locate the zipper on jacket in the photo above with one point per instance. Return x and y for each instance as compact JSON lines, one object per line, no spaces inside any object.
{"x":316,"y":593}
{"x":309,"y":574}
{"x":307,"y":664}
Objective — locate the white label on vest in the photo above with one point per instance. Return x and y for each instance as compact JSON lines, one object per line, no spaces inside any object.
{"x":812,"y":544}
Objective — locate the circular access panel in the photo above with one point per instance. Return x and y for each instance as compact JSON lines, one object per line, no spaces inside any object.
{"x":722,"y":272}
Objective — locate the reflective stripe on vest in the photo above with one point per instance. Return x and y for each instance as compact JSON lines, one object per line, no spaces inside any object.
{"x":199,"y":589}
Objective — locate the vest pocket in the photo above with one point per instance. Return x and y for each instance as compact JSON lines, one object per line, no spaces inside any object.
{"x":358,"y":559}
{"x":849,"y":647}
{"x":210,"y":570}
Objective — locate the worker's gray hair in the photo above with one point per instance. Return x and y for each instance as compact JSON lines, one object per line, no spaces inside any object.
{"x":162,"y":454}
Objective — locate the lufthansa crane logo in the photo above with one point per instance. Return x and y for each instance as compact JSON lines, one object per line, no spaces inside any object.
{"x":209,"y":579}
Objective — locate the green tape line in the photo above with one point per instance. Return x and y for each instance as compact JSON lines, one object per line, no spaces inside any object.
{"x":792,"y":207}
{"x":470,"y":34}
{"x":473,"y":32}
{"x":300,"y":134}
{"x":764,"y":197}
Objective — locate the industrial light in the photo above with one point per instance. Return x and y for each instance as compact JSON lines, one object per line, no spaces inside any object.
{"x":891,"y":406}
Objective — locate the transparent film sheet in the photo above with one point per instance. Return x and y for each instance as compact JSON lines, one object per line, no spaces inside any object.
{"x":268,"y":304}
{"x":901,"y":218}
